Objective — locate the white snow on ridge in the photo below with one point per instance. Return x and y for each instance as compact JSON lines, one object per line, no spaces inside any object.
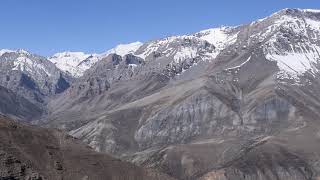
{"x":124,"y":49}
{"x":184,"y":53}
{"x":72,"y":58}
{"x":22,"y":64}
{"x":162,"y":45}
{"x":76,"y":63}
{"x":73,"y":62}
{"x":311,"y":10}
{"x":70,"y":62}
{"x":170,"y":46}
{"x":19,"y":51}
{"x":303,"y":55}
{"x":3,"y":51}
{"x":25,"y":64}
{"x":218,"y":37}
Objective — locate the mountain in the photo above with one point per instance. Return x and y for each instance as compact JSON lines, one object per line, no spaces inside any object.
{"x":76,"y":63}
{"x":28,"y":152}
{"x":154,"y":61}
{"x":31,"y":76}
{"x":124,"y":49}
{"x":225,"y":103}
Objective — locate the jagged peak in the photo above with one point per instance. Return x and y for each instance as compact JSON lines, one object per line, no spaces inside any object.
{"x":19,"y":51}
{"x":22,"y":51}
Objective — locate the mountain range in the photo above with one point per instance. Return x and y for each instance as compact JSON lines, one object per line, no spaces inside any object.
{"x":226,"y":103}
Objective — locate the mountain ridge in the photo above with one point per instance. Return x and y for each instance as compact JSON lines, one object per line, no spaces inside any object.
{"x":229,"y":103}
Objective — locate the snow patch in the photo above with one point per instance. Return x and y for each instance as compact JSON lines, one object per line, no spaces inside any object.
{"x":185,"y":53}
{"x":124,"y":49}
{"x":313,"y":24}
{"x":239,"y":66}
{"x":73,"y":62}
{"x":218,"y":37}
{"x":294,"y":63}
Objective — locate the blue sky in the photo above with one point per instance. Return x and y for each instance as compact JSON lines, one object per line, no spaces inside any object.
{"x":49,"y":26}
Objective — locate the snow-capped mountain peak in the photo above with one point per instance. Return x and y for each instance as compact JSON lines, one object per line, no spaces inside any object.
{"x":219,"y":37}
{"x":18,"y":51}
{"x":291,"y":39}
{"x":3,"y":51}
{"x":207,"y":44}
{"x":24,"y":61}
{"x":124,"y":49}
{"x":75,"y":63}
{"x":65,"y":59}
{"x":72,"y":62}
{"x":78,"y":55}
{"x":31,"y":75}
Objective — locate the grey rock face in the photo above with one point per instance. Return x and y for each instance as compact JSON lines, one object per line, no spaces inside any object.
{"x":17,"y":107}
{"x":31,"y":76}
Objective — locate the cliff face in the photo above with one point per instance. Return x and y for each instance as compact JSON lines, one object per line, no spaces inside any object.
{"x":32,"y":78}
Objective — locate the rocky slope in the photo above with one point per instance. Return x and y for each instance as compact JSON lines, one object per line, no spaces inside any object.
{"x":152,"y":66}
{"x":31,"y":76}
{"x":229,"y":103}
{"x":224,"y":103}
{"x":28,"y":152}
{"x":17,"y":107}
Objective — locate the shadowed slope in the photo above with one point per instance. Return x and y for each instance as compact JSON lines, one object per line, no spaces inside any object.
{"x":36,"y":153}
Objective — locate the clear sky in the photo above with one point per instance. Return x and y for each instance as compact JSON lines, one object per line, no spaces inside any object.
{"x":49,"y":26}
